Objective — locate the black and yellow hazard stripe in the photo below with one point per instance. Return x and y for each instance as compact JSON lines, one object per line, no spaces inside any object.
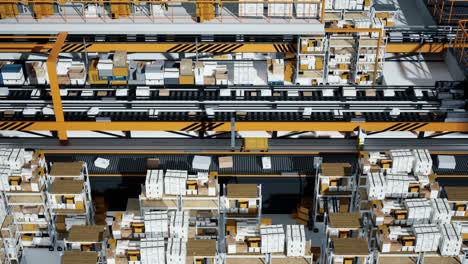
{"x":284,"y":48}
{"x":74,"y":47}
{"x":203,"y":126}
{"x":15,"y":126}
{"x":405,"y":127}
{"x":206,"y":47}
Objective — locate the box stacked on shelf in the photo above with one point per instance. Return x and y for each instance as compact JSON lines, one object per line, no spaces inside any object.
{"x":295,"y":241}
{"x":402,"y":161}
{"x":156,"y":224}
{"x":427,"y":238}
{"x":451,"y":240}
{"x":154,"y":73}
{"x":397,"y":185}
{"x":154,"y":184}
{"x":306,"y":9}
{"x":246,"y":228}
{"x":422,"y":162}
{"x":37,"y":72}
{"x":176,"y":251}
{"x":419,"y":211}
{"x":12,"y":74}
{"x":186,"y":72}
{"x":251,"y":8}
{"x":273,"y":239}
{"x":179,"y":224}
{"x":120,"y":68}
{"x":441,"y":212}
{"x":376,"y":186}
{"x":281,"y":8}
{"x":152,"y":251}
{"x":175,"y":182}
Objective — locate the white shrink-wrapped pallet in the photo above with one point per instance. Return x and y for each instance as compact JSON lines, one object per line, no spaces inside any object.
{"x":273,"y":238}
{"x":305,"y":9}
{"x":175,"y":182}
{"x":397,"y":186}
{"x":153,"y":251}
{"x":419,"y":211}
{"x":251,"y":8}
{"x":451,"y":240}
{"x":441,"y":212}
{"x":376,"y":186}
{"x":295,"y":241}
{"x":280,"y":8}
{"x":156,"y":224}
{"x":403,"y":160}
{"x":176,"y":251}
{"x":179,"y":224}
{"x":422,"y":162}
{"x":427,"y":238}
{"x":154,"y":184}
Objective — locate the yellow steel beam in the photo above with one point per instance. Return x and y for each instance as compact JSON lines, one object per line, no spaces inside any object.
{"x":202,"y":47}
{"x":239,"y":126}
{"x":54,"y":85}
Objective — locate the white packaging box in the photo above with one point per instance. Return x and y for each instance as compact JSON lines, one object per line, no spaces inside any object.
{"x":251,"y":9}
{"x":142,"y":91}
{"x":376,"y":186}
{"x":156,"y":224}
{"x":102,"y":163}
{"x":451,"y":240}
{"x":306,"y":10}
{"x":201,"y":162}
{"x":446,"y":162}
{"x":266,"y":163}
{"x":295,"y":241}
{"x":422,"y":162}
{"x":273,"y":238}
{"x":441,"y":212}
{"x":280,"y":9}
{"x":349,"y":91}
{"x":176,"y":251}
{"x":154,"y":184}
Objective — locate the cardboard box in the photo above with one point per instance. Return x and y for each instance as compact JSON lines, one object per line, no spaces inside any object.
{"x":187,"y":79}
{"x":225,"y":162}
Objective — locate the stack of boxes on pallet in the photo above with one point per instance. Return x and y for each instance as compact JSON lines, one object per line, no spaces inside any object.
{"x":114,"y":71}
{"x":71,"y":72}
{"x":175,"y":182}
{"x":406,"y":208}
{"x":279,"y":8}
{"x":176,"y":251}
{"x":179,"y":224}
{"x":295,"y":241}
{"x":273,"y":238}
{"x":37,"y":72}
{"x":153,"y":251}
{"x":156,"y":224}
{"x":186,"y":72}
{"x":282,"y":8}
{"x":154,"y":184}
{"x":24,"y":186}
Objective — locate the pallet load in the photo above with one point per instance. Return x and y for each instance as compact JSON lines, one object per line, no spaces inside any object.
{"x":37,"y":72}
{"x":402,"y":161}
{"x":179,"y":224}
{"x":186,"y":72}
{"x":376,"y":186}
{"x":283,"y":8}
{"x":120,"y":67}
{"x":306,"y":9}
{"x":77,"y":73}
{"x":251,"y":8}
{"x":397,"y":186}
{"x":152,"y":251}
{"x":273,"y":239}
{"x":451,"y":240}
{"x":246,"y":228}
{"x":12,"y":74}
{"x":154,"y":184}
{"x":176,"y":251}
{"x":419,"y":211}
{"x":156,"y":224}
{"x":295,"y":241}
{"x":422,"y":162}
{"x":427,"y":238}
{"x":175,"y":182}
{"x":154,"y":73}
{"x":441,"y":212}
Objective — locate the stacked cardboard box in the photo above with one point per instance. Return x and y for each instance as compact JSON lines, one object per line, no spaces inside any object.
{"x":419,"y":211}
{"x":246,"y":228}
{"x":156,"y":224}
{"x":441,"y":212}
{"x":37,"y":72}
{"x":176,"y":251}
{"x":295,"y":241}
{"x":152,"y":251}
{"x":397,"y":185}
{"x":175,"y":182}
{"x":451,"y":240}
{"x":120,"y":67}
{"x":376,"y":186}
{"x":273,"y":238}
{"x":154,"y":184}
{"x":179,"y":224}
{"x":251,"y":8}
{"x":154,"y":73}
{"x":186,"y":72}
{"x":422,"y":162}
{"x":427,"y":238}
{"x":402,"y":161}
{"x":283,"y":8}
{"x":306,"y":9}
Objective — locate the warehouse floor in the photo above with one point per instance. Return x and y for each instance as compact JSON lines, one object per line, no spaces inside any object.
{"x":41,"y":255}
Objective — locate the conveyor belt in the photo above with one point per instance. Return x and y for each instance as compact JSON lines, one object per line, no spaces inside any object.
{"x":135,"y":164}
{"x":105,"y":145}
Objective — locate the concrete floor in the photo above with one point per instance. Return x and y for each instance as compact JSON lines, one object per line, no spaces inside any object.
{"x":411,"y":12}
{"x":416,"y":72}
{"x":41,"y":255}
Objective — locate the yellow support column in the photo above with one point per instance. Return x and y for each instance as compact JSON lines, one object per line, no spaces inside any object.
{"x":54,"y":86}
